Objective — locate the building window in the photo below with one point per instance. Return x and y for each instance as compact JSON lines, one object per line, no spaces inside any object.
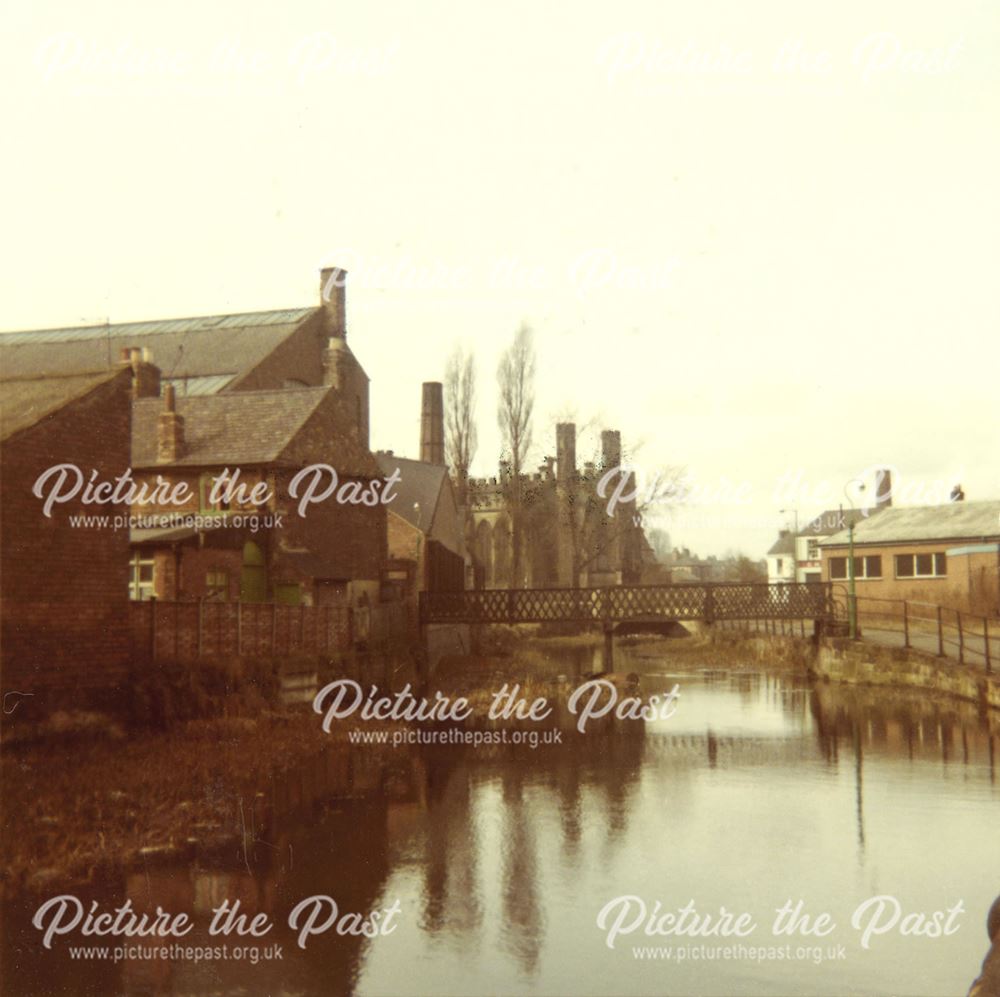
{"x":140,"y":586}
{"x":869,"y":566}
{"x":921,"y":565}
{"x":812,"y":553}
{"x":216,"y":586}
{"x":206,"y":483}
{"x":779,"y":565}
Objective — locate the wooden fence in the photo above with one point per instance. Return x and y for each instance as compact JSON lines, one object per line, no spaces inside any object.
{"x":191,"y":630}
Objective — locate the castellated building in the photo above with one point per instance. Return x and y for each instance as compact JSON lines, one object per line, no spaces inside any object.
{"x":567,"y":538}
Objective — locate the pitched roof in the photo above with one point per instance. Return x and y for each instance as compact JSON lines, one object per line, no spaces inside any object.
{"x":835,"y":520}
{"x":900,"y":524}
{"x":26,"y":401}
{"x":785,"y":544}
{"x":239,"y":428}
{"x":418,"y":491}
{"x":210,"y":345}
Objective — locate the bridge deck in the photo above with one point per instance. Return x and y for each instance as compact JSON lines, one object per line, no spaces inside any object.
{"x":717,"y":601}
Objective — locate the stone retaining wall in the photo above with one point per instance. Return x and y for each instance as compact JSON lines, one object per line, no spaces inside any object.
{"x":839,"y":659}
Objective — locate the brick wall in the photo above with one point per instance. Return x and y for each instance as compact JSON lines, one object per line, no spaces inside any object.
{"x":64,"y":590}
{"x":970,"y":585}
{"x":299,"y":357}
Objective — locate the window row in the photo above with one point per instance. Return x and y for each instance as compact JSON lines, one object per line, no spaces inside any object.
{"x":906,"y":566}
{"x":141,"y":586}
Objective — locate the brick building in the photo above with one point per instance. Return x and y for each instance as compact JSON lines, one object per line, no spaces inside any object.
{"x":943,"y":554}
{"x":256,"y":551}
{"x":426,"y":524}
{"x":269,"y":392}
{"x":63,"y":587}
{"x":213,"y":354}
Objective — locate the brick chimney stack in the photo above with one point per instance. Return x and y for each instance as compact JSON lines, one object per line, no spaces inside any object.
{"x":565,"y":451}
{"x":145,"y":374}
{"x":333,"y":299}
{"x":883,"y":488}
{"x":432,"y":423}
{"x":169,"y":429}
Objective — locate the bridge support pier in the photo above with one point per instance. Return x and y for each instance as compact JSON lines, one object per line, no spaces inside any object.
{"x":609,"y":648}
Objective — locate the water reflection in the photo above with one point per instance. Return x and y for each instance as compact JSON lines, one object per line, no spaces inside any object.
{"x":761,"y":788}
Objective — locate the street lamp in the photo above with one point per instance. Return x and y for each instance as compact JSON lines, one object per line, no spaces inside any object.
{"x":852,"y":602}
{"x":795,"y":542}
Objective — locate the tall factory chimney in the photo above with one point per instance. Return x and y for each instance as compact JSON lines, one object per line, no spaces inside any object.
{"x":432,"y":423}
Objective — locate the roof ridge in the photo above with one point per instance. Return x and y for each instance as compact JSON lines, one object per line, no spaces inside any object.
{"x":96,"y":372}
{"x":98,"y":326}
{"x":222,"y":395}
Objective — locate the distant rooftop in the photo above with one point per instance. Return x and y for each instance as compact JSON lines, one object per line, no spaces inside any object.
{"x":418,"y":490}
{"x":835,"y":520}
{"x":785,"y":544}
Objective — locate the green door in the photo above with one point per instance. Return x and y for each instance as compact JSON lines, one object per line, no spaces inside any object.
{"x":253,"y":577}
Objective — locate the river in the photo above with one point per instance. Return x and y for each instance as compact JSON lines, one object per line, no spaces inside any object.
{"x":761,"y":790}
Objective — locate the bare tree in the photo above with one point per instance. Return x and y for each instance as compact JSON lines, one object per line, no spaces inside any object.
{"x":516,"y":382}
{"x":597,"y":526}
{"x":460,"y":423}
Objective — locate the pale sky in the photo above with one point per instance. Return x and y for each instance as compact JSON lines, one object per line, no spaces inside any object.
{"x":762,"y":239}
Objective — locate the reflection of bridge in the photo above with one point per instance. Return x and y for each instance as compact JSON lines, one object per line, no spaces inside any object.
{"x":629,"y":603}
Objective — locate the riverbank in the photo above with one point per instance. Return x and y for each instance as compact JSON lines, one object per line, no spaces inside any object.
{"x":78,"y":808}
{"x":838,"y":659}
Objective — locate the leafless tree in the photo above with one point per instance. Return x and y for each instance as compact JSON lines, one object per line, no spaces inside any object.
{"x":460,"y":416}
{"x":516,"y":383}
{"x":593,"y":532}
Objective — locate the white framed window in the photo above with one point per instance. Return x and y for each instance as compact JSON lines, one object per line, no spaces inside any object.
{"x":140,"y":586}
{"x":921,"y":565}
{"x":867,"y":566}
{"x":812,"y":550}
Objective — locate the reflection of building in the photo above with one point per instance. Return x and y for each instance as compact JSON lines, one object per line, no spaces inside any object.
{"x":64,"y":592}
{"x":944,"y":554}
{"x":568,"y":539}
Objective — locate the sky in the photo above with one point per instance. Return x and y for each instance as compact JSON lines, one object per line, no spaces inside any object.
{"x":761,"y":240}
